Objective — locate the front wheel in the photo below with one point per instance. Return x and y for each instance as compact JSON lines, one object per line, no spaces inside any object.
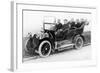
{"x":44,"y":48}
{"x":78,"y":41}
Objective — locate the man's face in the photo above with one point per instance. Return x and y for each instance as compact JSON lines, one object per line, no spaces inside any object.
{"x":65,"y":21}
{"x":77,"y":20}
{"x":58,"y":21}
{"x":82,"y":20}
{"x":72,"y":20}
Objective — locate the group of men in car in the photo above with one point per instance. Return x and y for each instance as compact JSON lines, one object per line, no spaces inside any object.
{"x":68,"y":24}
{"x":62,"y":29}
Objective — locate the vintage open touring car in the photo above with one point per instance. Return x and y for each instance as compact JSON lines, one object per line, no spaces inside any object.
{"x":49,"y":40}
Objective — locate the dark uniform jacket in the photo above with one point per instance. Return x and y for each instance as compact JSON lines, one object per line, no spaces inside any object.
{"x":72,"y":24}
{"x":66,"y":26}
{"x":58,"y":26}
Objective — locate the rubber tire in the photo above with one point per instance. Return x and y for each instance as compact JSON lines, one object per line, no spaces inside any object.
{"x":75,"y":40}
{"x":39,"y":49}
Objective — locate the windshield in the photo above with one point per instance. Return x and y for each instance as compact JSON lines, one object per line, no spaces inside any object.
{"x":49,"y":26}
{"x":49,"y":23}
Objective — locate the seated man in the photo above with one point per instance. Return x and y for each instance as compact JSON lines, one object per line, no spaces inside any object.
{"x":84,"y":22}
{"x":58,"y":25}
{"x":80,"y":23}
{"x":57,"y":29}
{"x":72,"y":23}
{"x":77,"y":23}
{"x":64,"y":29}
{"x":66,"y":25}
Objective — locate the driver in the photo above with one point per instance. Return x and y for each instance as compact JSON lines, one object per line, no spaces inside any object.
{"x":58,"y":25}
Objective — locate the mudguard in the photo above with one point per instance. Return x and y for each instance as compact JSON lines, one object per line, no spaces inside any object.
{"x":32,"y":44}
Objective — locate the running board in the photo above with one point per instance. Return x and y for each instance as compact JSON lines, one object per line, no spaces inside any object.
{"x":65,"y":46}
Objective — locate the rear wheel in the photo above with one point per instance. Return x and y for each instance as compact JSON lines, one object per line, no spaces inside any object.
{"x":44,"y":48}
{"x":78,"y":41}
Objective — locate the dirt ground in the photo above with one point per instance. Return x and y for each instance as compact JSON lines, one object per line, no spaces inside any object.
{"x":66,"y":55}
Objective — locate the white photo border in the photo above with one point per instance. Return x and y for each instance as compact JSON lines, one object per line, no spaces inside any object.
{"x":17,"y":63}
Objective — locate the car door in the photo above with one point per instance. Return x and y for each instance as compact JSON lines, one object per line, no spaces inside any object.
{"x":71,"y":33}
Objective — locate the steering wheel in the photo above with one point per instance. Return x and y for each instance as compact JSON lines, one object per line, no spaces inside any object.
{"x":73,"y":28}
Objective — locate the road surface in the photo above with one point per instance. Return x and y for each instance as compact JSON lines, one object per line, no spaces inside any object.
{"x":66,"y":55}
